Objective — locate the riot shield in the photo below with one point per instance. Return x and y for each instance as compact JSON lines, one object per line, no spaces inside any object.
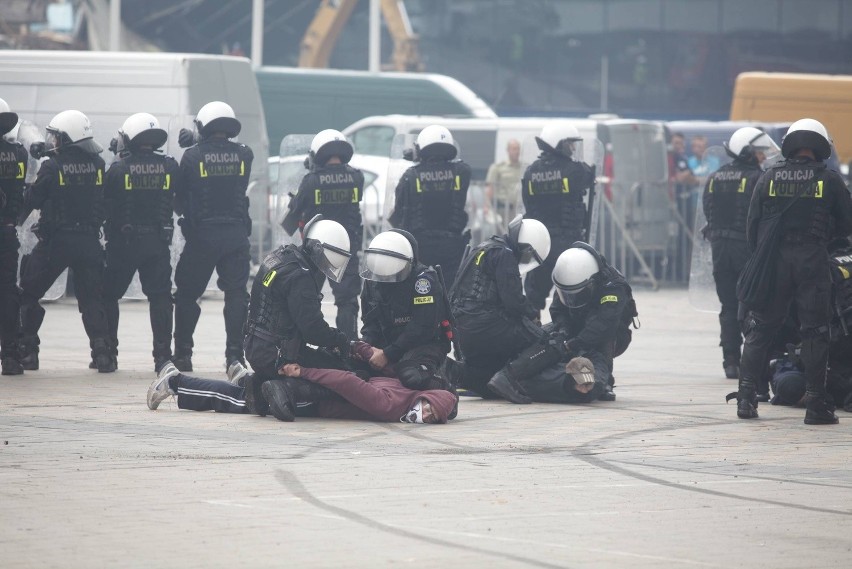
{"x":401,"y":159}
{"x":292,"y":167}
{"x":590,"y":151}
{"x":702,"y":285}
{"x":27,"y":133}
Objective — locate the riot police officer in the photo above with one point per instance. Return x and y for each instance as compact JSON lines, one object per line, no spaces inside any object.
{"x":285,"y":313}
{"x":820,"y":210}
{"x":406,"y":316}
{"x":494,"y":321}
{"x":216,"y":226}
{"x":139,"y":194}
{"x":13,"y":173}
{"x":430,"y":200}
{"x":69,"y":192}
{"x":727,"y":195}
{"x":552,"y":190}
{"x":335,"y":190}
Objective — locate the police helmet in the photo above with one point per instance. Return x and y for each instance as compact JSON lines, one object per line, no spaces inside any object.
{"x":328,"y":143}
{"x":435,"y":141}
{"x":326,"y":242}
{"x":8,"y":119}
{"x":806,"y":133}
{"x":142,"y":129}
{"x":389,"y":258}
{"x":560,"y":137}
{"x":217,"y":116}
{"x":530,"y":240}
{"x":746,"y":142}
{"x":71,"y":128}
{"x":574,"y":272}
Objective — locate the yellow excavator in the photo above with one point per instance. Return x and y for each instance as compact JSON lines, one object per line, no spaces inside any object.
{"x":321,"y":36}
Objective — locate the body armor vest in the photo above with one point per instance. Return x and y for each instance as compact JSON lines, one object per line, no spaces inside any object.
{"x":841,"y":275}
{"x":144,"y":194}
{"x":77,"y":200}
{"x":218,"y":182}
{"x":437,"y":194}
{"x":13,"y":172}
{"x":395,"y":303}
{"x":474,"y":288}
{"x":810,"y":216}
{"x":336,"y":192}
{"x":729,"y":191}
{"x":553,"y":188}
{"x":266,"y":318}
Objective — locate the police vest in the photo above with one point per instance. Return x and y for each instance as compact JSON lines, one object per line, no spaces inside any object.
{"x":267,"y":318}
{"x":395,"y":304}
{"x":728,"y":197}
{"x":336,"y":192}
{"x":811,"y":215}
{"x":474,"y":289}
{"x":141,"y":190}
{"x":553,"y":188}
{"x":76,"y":201}
{"x":436,"y":196}
{"x":13,"y":174}
{"x":841,"y":276}
{"x":219,"y":172}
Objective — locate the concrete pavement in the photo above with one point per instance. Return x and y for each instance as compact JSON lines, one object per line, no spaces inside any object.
{"x":666,"y":476}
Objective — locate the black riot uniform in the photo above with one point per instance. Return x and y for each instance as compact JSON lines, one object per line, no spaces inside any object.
{"x":822,"y":212}
{"x":285,"y":315}
{"x":552,"y":189}
{"x":727,"y":195}
{"x":430,"y":200}
{"x":335,"y":191}
{"x":493,"y":318}
{"x":216,"y":226}
{"x":13,"y":173}
{"x":69,"y":192}
{"x":410,"y":321}
{"x":139,"y":194}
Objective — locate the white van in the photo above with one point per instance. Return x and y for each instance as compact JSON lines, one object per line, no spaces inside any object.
{"x":110,"y":86}
{"x":634,"y":174}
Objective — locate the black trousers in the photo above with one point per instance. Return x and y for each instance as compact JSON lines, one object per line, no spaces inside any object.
{"x":442,"y":248}
{"x":729,"y":258}
{"x":81,"y":252}
{"x":488,"y":342}
{"x":539,"y":281}
{"x":149,"y":254}
{"x":802,"y":277}
{"x":9,"y":294}
{"x":224,"y":247}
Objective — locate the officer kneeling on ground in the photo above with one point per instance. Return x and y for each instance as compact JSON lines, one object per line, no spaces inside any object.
{"x":795,"y":252}
{"x":334,"y":190}
{"x":406,"y":315}
{"x":69,"y":193}
{"x":493,"y":319}
{"x":139,"y":194}
{"x":216,"y":226}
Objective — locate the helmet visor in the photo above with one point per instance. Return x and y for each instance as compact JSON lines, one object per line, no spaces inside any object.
{"x":384,"y":266}
{"x":332,"y":261}
{"x":575,"y":297}
{"x":529,"y":258}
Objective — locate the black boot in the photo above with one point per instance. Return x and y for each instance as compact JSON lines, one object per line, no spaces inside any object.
{"x":29,"y":355}
{"x":506,"y":387}
{"x":162,"y":354}
{"x":819,"y":410}
{"x":280,"y":402}
{"x":102,"y":355}
{"x":234,"y":353}
{"x":11,"y":366}
{"x":746,"y":398}
{"x":183,"y":357}
{"x":255,"y":401}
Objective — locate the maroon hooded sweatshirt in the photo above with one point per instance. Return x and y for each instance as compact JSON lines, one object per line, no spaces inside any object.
{"x":380,"y":398}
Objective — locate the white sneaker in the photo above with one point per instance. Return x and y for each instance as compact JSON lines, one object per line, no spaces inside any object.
{"x":159,"y":390}
{"x":236,"y":373}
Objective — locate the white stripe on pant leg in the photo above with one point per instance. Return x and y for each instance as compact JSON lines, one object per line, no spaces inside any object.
{"x":213,"y":394}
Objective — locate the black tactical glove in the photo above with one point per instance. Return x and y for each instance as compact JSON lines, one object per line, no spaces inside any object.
{"x":186,"y":138}
{"x":37,"y":150}
{"x":113,"y":145}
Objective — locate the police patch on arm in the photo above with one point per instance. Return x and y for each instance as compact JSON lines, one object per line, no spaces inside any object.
{"x":609,"y":298}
